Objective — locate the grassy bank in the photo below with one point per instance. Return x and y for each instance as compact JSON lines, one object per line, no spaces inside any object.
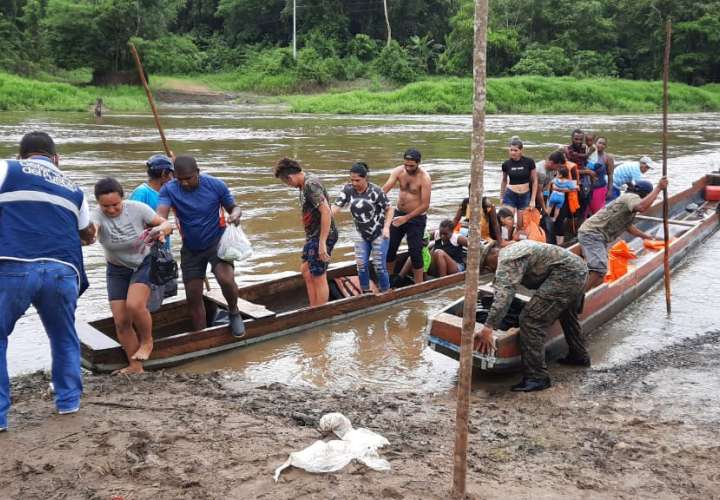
{"x":516,"y":95}
{"x":22,"y":94}
{"x":431,"y":96}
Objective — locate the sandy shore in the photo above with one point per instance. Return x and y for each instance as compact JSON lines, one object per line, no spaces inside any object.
{"x":645,"y":429}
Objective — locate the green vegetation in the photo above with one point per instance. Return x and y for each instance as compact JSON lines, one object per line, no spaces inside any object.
{"x":243,"y":46}
{"x":341,"y":40}
{"x":18,"y":93}
{"x":516,"y":95}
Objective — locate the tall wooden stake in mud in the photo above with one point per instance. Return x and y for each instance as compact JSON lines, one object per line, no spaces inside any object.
{"x":473,"y":264}
{"x":666,"y":77}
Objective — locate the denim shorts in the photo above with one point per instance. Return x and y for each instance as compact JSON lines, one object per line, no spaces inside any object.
{"x":595,"y":250}
{"x":119,"y":278}
{"x":310,"y":255}
{"x":515,"y":200}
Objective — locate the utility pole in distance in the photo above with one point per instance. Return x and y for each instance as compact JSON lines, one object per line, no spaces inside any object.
{"x":387,"y":22}
{"x":294,"y":29}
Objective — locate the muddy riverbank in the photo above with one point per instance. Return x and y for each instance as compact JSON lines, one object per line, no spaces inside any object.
{"x":646,"y":428}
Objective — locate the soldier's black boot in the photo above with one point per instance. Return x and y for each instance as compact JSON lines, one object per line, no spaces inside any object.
{"x":531,"y":384}
{"x":570,"y":360}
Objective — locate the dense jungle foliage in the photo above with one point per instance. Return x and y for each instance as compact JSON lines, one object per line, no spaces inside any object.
{"x":347,"y":39}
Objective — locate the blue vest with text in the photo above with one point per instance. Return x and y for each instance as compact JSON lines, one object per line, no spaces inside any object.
{"x":39,"y":212}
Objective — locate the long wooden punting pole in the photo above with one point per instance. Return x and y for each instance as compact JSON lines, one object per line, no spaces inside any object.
{"x":473,"y":261}
{"x":153,"y":108}
{"x":141,"y":72}
{"x":666,"y":77}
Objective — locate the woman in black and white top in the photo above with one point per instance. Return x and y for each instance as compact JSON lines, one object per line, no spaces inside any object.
{"x":372,"y":213}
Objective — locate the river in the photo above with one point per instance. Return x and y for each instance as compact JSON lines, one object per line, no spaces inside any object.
{"x":239,"y":144}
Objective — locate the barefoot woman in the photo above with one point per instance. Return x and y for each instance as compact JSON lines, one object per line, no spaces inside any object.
{"x":120,"y":230}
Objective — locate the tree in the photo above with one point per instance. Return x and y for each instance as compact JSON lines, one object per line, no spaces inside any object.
{"x":92,"y":33}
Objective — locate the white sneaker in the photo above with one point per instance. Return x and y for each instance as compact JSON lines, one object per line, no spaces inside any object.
{"x":68,"y":412}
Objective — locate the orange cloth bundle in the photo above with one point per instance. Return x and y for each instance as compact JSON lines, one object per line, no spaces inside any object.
{"x":573,"y":201}
{"x":655,"y":245}
{"x":619,"y":255}
{"x":531,"y":221}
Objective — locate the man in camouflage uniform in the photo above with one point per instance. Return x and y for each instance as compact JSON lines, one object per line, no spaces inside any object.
{"x":602,"y":229}
{"x":559,"y":277}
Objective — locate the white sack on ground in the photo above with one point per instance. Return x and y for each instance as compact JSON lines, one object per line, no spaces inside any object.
{"x":330,"y":456}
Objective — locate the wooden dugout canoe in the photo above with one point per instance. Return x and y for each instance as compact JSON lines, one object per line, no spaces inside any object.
{"x":271,"y":309}
{"x":689,"y":229}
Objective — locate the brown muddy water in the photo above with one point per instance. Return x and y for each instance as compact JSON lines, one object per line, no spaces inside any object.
{"x":385,"y":349}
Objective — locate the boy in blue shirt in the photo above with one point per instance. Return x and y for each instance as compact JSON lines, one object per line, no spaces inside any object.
{"x":198,"y":201}
{"x":160,"y":171}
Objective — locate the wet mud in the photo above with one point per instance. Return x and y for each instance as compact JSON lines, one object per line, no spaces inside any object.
{"x":646,"y":428}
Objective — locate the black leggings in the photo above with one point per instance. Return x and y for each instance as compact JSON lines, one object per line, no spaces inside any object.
{"x":560,"y":221}
{"x":415,"y":230}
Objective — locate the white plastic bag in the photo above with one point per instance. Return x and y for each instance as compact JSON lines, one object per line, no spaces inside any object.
{"x":234,"y":245}
{"x":330,"y":456}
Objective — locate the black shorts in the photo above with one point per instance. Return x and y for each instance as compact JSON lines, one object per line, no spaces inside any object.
{"x":415,"y":230}
{"x":194,"y":264}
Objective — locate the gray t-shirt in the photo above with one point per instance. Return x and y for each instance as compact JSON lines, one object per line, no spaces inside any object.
{"x":120,"y":236}
{"x":614,"y":218}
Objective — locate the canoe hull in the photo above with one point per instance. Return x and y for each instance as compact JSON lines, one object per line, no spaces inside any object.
{"x":101,"y":353}
{"x":601,"y":304}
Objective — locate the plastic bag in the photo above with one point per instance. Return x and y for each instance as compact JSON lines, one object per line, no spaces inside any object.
{"x":330,"y":456}
{"x":234,"y":245}
{"x":163,"y":267}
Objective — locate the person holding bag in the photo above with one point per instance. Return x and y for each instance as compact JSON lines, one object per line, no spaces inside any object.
{"x":121,"y":230}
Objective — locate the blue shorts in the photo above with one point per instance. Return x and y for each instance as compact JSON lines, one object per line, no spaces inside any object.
{"x":119,"y":278}
{"x":557,"y":199}
{"x":310,"y":255}
{"x":517,"y":201}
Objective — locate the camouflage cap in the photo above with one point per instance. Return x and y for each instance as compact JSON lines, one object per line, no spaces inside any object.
{"x":485,"y":248}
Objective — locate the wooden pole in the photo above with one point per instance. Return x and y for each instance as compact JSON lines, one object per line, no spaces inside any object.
{"x":666,"y":230}
{"x":153,"y":108}
{"x":141,"y":72}
{"x":473,"y":261}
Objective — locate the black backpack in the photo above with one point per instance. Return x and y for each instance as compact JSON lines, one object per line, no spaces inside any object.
{"x":163,"y":267}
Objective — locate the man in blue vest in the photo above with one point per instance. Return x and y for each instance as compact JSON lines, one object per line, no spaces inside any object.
{"x":44,"y":218}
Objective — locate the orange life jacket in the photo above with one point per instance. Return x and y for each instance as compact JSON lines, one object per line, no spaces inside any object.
{"x":655,"y":245}
{"x":619,"y":255}
{"x":532,"y":219}
{"x":572,"y":196}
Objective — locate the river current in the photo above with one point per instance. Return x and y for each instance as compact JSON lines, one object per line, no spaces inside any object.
{"x":387,"y":349}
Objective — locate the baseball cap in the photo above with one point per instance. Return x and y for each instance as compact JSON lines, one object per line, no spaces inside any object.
{"x":159,"y":163}
{"x":640,"y":187}
{"x":647,"y":161}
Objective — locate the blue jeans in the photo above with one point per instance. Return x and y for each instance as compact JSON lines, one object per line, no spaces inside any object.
{"x":53,"y":289}
{"x":378,"y":248}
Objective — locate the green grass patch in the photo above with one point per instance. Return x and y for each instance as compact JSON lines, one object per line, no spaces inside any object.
{"x":22,"y":94}
{"x":516,"y":95}
{"x":253,"y":81}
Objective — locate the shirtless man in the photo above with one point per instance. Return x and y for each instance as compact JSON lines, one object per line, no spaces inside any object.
{"x":410,"y":214}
